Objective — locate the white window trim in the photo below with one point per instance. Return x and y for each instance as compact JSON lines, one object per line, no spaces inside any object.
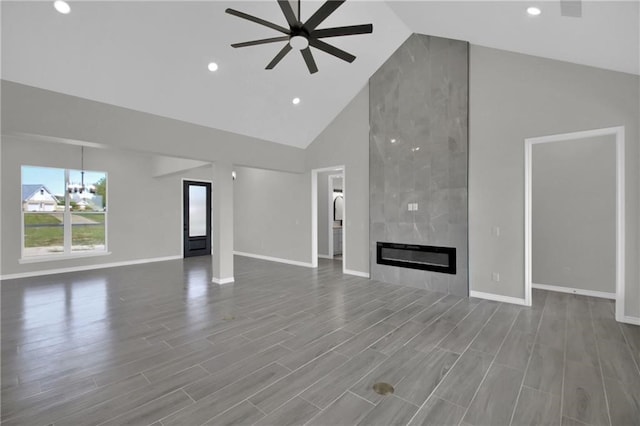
{"x":67,"y":253}
{"x":64,"y":256}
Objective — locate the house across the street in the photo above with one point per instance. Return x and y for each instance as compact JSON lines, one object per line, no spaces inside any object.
{"x":37,"y":198}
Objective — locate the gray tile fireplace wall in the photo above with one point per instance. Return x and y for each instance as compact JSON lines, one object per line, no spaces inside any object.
{"x":418,"y":157}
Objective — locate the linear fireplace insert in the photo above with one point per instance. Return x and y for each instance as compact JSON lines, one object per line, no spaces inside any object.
{"x":427,"y":258}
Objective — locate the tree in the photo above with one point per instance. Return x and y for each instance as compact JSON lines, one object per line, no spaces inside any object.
{"x":101,"y":189}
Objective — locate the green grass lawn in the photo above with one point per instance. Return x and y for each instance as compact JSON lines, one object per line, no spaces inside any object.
{"x":87,"y":235}
{"x":38,"y":234}
{"x":41,"y":219}
{"x":96,"y":217}
{"x":43,"y":236}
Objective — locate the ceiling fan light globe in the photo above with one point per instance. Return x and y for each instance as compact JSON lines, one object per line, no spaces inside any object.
{"x":299,"y":42}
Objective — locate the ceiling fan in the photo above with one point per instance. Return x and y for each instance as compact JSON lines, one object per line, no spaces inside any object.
{"x":302,"y":36}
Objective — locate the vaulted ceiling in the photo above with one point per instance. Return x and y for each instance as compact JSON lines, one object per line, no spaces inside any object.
{"x":152,"y":56}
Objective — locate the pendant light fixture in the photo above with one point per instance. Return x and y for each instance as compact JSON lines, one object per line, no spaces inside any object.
{"x":81,"y":188}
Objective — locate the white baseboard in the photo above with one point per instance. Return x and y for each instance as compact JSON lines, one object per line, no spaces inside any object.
{"x":223,"y":281}
{"x":86,"y":267}
{"x":356,"y":273}
{"x":325,"y":256}
{"x":592,"y":293}
{"x":497,"y":298}
{"x":274,"y":259}
{"x":631,"y":320}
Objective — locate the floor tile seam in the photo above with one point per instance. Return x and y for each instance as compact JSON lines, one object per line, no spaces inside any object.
{"x":50,"y":405}
{"x":446,"y":311}
{"x":212,"y":375}
{"x":177,"y":372}
{"x":315,"y":405}
{"x":227,"y":410}
{"x":252,"y":404}
{"x":178,"y":359}
{"x":94,"y":389}
{"x":629,"y":347}
{"x":405,"y":400}
{"x":526,"y":369}
{"x":372,"y":367}
{"x":336,"y":348}
{"x":580,"y":422}
{"x":435,"y":395}
{"x":477,"y":333}
{"x":565,"y":361}
{"x":427,"y":325}
{"x":299,"y":393}
{"x":433,"y":391}
{"x":484,"y":377}
{"x":146,"y":403}
{"x":242,"y":359}
{"x":541,"y":391}
{"x":78,"y":357}
{"x":222,"y":388}
{"x":604,"y":388}
{"x":239,"y":347}
{"x":187,"y":393}
{"x":376,"y":323}
{"x":40,"y":391}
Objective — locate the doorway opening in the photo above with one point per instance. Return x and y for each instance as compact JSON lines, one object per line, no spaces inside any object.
{"x":335,"y":222}
{"x":570,"y":224}
{"x":196,"y":218}
{"x":328,"y":221}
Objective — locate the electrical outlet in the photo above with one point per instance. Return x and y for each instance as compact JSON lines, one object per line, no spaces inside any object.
{"x":495,"y":277}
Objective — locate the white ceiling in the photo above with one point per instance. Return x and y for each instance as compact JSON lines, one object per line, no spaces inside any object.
{"x":153,"y":56}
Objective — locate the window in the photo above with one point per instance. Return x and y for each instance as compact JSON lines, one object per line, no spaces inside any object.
{"x":64,"y":212}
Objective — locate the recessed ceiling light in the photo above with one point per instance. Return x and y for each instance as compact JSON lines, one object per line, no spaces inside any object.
{"x":393,"y":141}
{"x":212,"y":66}
{"x":534,"y":11}
{"x":295,"y":101}
{"x":62,"y":6}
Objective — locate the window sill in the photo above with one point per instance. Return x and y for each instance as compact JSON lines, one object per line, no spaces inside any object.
{"x":53,"y":258}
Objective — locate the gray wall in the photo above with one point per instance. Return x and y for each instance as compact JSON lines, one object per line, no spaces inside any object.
{"x":29,"y":110}
{"x":418,"y":154}
{"x":272,"y":214}
{"x":144,"y":222}
{"x":346,"y":142}
{"x":513,"y":97}
{"x":573,"y":213}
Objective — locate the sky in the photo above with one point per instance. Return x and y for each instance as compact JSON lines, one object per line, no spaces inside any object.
{"x":53,"y":179}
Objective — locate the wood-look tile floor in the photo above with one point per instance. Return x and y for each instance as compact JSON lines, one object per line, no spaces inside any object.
{"x":159,"y":344}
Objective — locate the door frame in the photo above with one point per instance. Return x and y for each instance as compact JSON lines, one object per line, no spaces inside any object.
{"x":331,"y":211}
{"x":182,"y":212}
{"x":314,"y":214}
{"x":618,"y":132}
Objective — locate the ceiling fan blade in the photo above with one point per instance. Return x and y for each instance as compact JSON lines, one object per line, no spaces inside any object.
{"x":279,"y":57}
{"x":263,"y":41}
{"x":322,"y":13}
{"x":288,"y":12}
{"x":257,"y":20}
{"x":343,"y":31}
{"x":308,"y":58}
{"x":332,"y":50}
